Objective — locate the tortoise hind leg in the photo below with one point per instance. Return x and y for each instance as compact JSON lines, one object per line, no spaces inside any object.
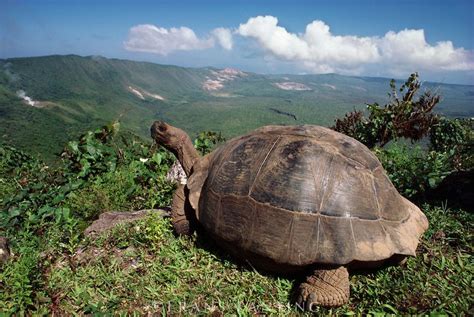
{"x":182,"y":214}
{"x":325,"y":287}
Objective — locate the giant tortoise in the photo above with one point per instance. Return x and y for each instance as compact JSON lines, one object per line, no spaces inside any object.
{"x":295,"y":198}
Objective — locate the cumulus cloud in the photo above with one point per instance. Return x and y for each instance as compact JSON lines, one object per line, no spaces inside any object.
{"x":409,"y":48}
{"x":319,"y":51}
{"x":152,"y":39}
{"x":317,"y":44}
{"x":316,"y":50}
{"x":223,"y":37}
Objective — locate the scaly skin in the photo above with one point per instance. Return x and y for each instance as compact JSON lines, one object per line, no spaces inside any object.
{"x":329,"y":288}
{"x":182,"y":214}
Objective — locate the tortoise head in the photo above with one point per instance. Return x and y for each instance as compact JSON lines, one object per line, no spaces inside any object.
{"x":177,"y":141}
{"x":166,"y":135}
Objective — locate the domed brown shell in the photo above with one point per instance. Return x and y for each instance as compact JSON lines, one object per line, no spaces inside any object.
{"x":306,"y":194}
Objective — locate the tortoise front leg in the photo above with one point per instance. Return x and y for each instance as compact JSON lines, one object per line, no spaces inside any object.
{"x":182,"y":214}
{"x":325,"y":287}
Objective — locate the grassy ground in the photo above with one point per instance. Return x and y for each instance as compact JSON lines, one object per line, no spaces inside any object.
{"x":143,"y":268}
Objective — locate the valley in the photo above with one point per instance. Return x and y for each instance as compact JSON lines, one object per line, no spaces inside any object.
{"x":45,"y":101}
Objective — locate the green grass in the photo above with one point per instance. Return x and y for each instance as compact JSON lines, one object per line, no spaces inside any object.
{"x":143,"y":267}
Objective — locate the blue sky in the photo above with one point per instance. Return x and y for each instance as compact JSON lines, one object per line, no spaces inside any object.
{"x":370,"y":38}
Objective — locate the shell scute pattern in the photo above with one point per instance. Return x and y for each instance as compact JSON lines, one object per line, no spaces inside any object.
{"x":306,"y":194}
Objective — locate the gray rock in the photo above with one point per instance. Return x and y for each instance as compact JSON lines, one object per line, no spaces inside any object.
{"x":108,"y":220}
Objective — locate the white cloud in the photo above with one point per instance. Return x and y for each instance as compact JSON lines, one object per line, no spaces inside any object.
{"x":408,"y":49}
{"x":319,"y":51}
{"x":152,"y":39}
{"x":316,"y":50}
{"x":274,"y":38}
{"x":223,"y":37}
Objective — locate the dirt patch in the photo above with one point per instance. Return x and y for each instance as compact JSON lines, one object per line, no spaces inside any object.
{"x":217,"y":78}
{"x":290,"y":85}
{"x":142,"y":93}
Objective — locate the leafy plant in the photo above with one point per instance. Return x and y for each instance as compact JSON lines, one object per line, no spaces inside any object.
{"x":137,"y":185}
{"x":36,"y":184}
{"x":115,"y":169}
{"x":45,"y":209}
{"x":403,"y":117}
{"x":446,"y":134}
{"x":206,"y":141}
{"x":456,"y":137}
{"x":91,"y":155}
{"x":20,"y":280}
{"x":413,"y":170}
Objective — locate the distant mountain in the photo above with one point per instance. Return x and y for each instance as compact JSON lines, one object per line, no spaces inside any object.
{"x":45,"y":101}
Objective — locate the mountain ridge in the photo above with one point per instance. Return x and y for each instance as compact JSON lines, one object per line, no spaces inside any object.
{"x":100,"y":57}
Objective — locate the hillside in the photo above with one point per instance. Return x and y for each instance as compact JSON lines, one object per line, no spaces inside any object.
{"x":45,"y":101}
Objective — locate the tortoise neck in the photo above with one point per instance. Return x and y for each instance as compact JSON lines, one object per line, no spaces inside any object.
{"x":186,"y":154}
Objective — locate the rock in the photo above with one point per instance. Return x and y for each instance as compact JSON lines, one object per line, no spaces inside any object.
{"x":108,"y":220}
{"x":4,"y":250}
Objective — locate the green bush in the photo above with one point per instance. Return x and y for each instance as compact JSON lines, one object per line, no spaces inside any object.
{"x":103,"y":170}
{"x":409,"y":116}
{"x":456,"y":137}
{"x":129,"y":187}
{"x":448,"y":133}
{"x":35,"y":184}
{"x":207,"y":140}
{"x":413,"y":170}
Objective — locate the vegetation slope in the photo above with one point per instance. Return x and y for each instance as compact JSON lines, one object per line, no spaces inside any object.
{"x":77,"y":94}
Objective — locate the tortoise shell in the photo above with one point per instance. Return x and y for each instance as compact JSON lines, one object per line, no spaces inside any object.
{"x":301,"y":195}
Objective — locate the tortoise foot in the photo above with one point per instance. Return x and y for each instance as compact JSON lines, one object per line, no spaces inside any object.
{"x":182,"y":226}
{"x":329,"y":288}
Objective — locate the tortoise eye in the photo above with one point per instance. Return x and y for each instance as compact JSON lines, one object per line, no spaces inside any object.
{"x":162,"y":128}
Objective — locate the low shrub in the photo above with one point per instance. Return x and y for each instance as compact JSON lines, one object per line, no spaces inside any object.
{"x":413,"y":170}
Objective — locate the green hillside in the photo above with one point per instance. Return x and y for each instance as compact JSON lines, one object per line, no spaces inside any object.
{"x":79,"y":93}
{"x":75,"y":94}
